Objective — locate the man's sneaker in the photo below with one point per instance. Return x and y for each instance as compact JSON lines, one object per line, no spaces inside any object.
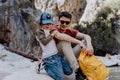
{"x":80,"y":75}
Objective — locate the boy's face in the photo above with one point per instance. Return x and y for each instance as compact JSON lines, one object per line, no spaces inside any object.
{"x":47,"y":26}
{"x":64,"y":23}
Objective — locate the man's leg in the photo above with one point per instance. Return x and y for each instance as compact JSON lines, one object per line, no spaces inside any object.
{"x":70,"y":77}
{"x":79,"y":73}
{"x":67,"y":50}
{"x":77,"y":49}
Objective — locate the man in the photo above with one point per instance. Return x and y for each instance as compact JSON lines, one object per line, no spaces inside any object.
{"x":65,"y":46}
{"x":54,"y":64}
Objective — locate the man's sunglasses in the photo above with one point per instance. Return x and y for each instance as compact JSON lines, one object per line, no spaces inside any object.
{"x":62,"y":22}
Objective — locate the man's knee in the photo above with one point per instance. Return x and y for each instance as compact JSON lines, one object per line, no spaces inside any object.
{"x":65,"y":43}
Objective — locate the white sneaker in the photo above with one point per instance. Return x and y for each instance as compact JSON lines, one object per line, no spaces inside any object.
{"x":36,"y":68}
{"x":39,"y":67}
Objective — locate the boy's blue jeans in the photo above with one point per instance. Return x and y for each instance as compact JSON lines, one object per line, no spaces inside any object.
{"x":56,"y":67}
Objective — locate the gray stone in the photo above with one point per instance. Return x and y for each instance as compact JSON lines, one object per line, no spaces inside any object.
{"x":114,"y":73}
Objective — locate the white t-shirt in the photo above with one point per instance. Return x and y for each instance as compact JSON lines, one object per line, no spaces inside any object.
{"x":49,"y":49}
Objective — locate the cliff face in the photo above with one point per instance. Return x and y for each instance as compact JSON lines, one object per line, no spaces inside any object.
{"x":15,"y":15}
{"x":75,"y":7}
{"x":91,"y":9}
{"x":81,"y":10}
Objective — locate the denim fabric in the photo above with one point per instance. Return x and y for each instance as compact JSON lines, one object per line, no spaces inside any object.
{"x":56,"y":67}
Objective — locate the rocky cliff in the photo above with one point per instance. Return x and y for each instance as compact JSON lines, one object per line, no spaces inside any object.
{"x":15,"y":19}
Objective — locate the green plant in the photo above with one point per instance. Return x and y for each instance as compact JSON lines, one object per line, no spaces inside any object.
{"x":102,"y":36}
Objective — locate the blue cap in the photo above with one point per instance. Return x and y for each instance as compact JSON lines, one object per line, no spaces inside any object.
{"x":46,"y":18}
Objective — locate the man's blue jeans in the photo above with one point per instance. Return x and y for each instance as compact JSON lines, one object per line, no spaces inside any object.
{"x":56,"y":67}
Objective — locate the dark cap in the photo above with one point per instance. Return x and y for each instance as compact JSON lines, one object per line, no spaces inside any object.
{"x":46,"y":18}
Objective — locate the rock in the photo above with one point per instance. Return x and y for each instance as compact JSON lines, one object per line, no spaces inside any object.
{"x":56,"y":6}
{"x":92,"y":7}
{"x":3,"y":74}
{"x":30,"y":75}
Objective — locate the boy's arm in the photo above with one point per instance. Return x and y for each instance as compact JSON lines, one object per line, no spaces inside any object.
{"x":41,"y":36}
{"x":38,"y":32}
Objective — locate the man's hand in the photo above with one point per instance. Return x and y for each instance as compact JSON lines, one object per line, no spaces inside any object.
{"x":82,"y":45}
{"x":90,"y":50}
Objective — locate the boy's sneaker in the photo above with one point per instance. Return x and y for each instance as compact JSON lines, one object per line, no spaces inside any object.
{"x":40,"y":66}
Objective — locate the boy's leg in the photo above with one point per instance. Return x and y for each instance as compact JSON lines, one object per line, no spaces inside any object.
{"x":53,"y":67}
{"x":67,"y":50}
{"x":69,"y":73}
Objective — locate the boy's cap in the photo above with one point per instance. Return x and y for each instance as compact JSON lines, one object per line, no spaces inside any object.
{"x":46,"y":18}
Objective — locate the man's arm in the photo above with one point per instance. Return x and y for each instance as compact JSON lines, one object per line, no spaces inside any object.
{"x":65,"y":37}
{"x":87,"y":38}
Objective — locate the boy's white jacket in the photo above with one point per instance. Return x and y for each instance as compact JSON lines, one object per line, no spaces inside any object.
{"x":49,"y":49}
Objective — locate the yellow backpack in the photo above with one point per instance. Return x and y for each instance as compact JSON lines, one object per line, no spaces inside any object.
{"x":92,"y":67}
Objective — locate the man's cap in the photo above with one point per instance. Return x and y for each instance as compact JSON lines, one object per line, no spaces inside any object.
{"x":46,"y":18}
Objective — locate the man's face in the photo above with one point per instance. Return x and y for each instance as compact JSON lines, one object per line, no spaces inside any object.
{"x":64,"y":23}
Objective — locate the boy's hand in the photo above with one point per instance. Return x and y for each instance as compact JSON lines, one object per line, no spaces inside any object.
{"x":53,"y":33}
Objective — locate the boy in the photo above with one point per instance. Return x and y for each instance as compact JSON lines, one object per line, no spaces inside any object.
{"x":54,"y":63}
